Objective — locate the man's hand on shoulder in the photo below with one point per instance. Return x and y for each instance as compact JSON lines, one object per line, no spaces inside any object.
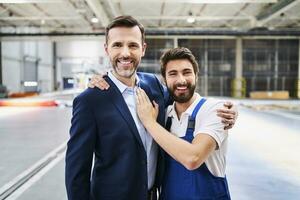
{"x":228,"y":114}
{"x":98,"y":81}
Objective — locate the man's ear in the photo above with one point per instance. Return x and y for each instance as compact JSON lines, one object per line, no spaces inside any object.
{"x":106,"y":48}
{"x":144,"y":48}
{"x":164,"y":81}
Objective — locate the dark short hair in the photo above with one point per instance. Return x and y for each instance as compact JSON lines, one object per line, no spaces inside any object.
{"x":124,"y":21}
{"x":177,"y":54}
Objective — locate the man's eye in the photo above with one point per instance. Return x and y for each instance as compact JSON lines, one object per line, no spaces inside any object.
{"x":116,"y":45}
{"x":133,"y":46}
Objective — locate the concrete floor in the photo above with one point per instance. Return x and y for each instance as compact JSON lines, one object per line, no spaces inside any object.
{"x":263,"y":160}
{"x":27,"y":136}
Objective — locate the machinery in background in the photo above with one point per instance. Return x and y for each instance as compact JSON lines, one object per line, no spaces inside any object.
{"x":3,"y":91}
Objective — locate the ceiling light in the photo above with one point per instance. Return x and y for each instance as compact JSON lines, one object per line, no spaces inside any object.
{"x":94,"y":20}
{"x":191,"y":20}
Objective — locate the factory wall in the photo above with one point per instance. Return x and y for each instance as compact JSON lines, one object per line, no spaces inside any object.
{"x":74,"y":59}
{"x":268,"y":64}
{"x":79,"y":60}
{"x":17,"y":54}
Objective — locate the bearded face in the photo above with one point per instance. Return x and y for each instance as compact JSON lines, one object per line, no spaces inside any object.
{"x":125,"y":49}
{"x":180,"y":80}
{"x":125,"y":66}
{"x":182,"y":92}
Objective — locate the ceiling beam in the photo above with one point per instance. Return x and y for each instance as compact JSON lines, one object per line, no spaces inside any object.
{"x":3,"y":12}
{"x":99,"y":11}
{"x":115,"y":11}
{"x":45,"y":13}
{"x":14,"y":11}
{"x":31,"y":1}
{"x":197,"y":33}
{"x":43,"y":30}
{"x":39,"y":18}
{"x":162,"y":9}
{"x":274,"y":11}
{"x":203,"y":1}
{"x":198,"y":18}
{"x":83,"y":17}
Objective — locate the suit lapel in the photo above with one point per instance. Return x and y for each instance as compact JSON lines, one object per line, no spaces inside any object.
{"x":161,"y":115}
{"x":122,"y":107}
{"x":146,"y":88}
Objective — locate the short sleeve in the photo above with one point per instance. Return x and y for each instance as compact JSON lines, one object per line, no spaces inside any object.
{"x":207,"y":121}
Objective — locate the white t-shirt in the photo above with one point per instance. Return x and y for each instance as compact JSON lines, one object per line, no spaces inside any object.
{"x":207,"y":122}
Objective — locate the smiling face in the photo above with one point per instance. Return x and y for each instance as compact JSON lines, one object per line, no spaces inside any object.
{"x":125,"y":49}
{"x":180,"y":79}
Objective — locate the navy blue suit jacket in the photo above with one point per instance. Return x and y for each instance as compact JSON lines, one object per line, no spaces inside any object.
{"x":103,"y":126}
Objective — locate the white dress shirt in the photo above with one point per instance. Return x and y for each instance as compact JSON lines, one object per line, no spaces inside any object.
{"x":129,"y":95}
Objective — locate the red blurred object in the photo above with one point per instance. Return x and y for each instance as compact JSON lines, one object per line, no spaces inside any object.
{"x":29,"y":103}
{"x":22,"y":94}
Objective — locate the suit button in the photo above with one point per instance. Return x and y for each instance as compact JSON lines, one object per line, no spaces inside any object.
{"x":144,"y":162}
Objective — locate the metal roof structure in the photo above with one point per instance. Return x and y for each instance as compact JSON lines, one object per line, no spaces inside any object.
{"x":158,"y":16}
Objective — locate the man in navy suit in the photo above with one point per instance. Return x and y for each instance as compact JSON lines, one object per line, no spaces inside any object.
{"x":105,"y":126}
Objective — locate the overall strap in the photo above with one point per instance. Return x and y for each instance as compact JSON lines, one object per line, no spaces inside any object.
{"x":192,"y":119}
{"x":168,"y":124}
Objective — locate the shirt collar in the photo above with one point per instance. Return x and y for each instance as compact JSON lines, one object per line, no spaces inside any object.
{"x":172,"y":112}
{"x":121,"y":86}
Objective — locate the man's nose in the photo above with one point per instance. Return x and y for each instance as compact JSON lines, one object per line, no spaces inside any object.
{"x":181,"y":79}
{"x":125,"y":52}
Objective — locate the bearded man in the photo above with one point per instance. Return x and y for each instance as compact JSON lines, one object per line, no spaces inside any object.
{"x":194,"y":139}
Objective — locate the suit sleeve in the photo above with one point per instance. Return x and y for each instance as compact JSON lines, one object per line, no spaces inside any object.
{"x":79,"y":155}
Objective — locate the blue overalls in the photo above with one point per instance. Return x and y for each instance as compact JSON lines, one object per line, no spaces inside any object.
{"x":182,"y":184}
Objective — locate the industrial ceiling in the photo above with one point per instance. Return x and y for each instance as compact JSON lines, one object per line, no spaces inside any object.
{"x":91,"y":16}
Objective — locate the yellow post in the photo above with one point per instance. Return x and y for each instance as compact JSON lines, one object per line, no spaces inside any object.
{"x":238,"y":88}
{"x":298,"y":81}
{"x":298,"y":88}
